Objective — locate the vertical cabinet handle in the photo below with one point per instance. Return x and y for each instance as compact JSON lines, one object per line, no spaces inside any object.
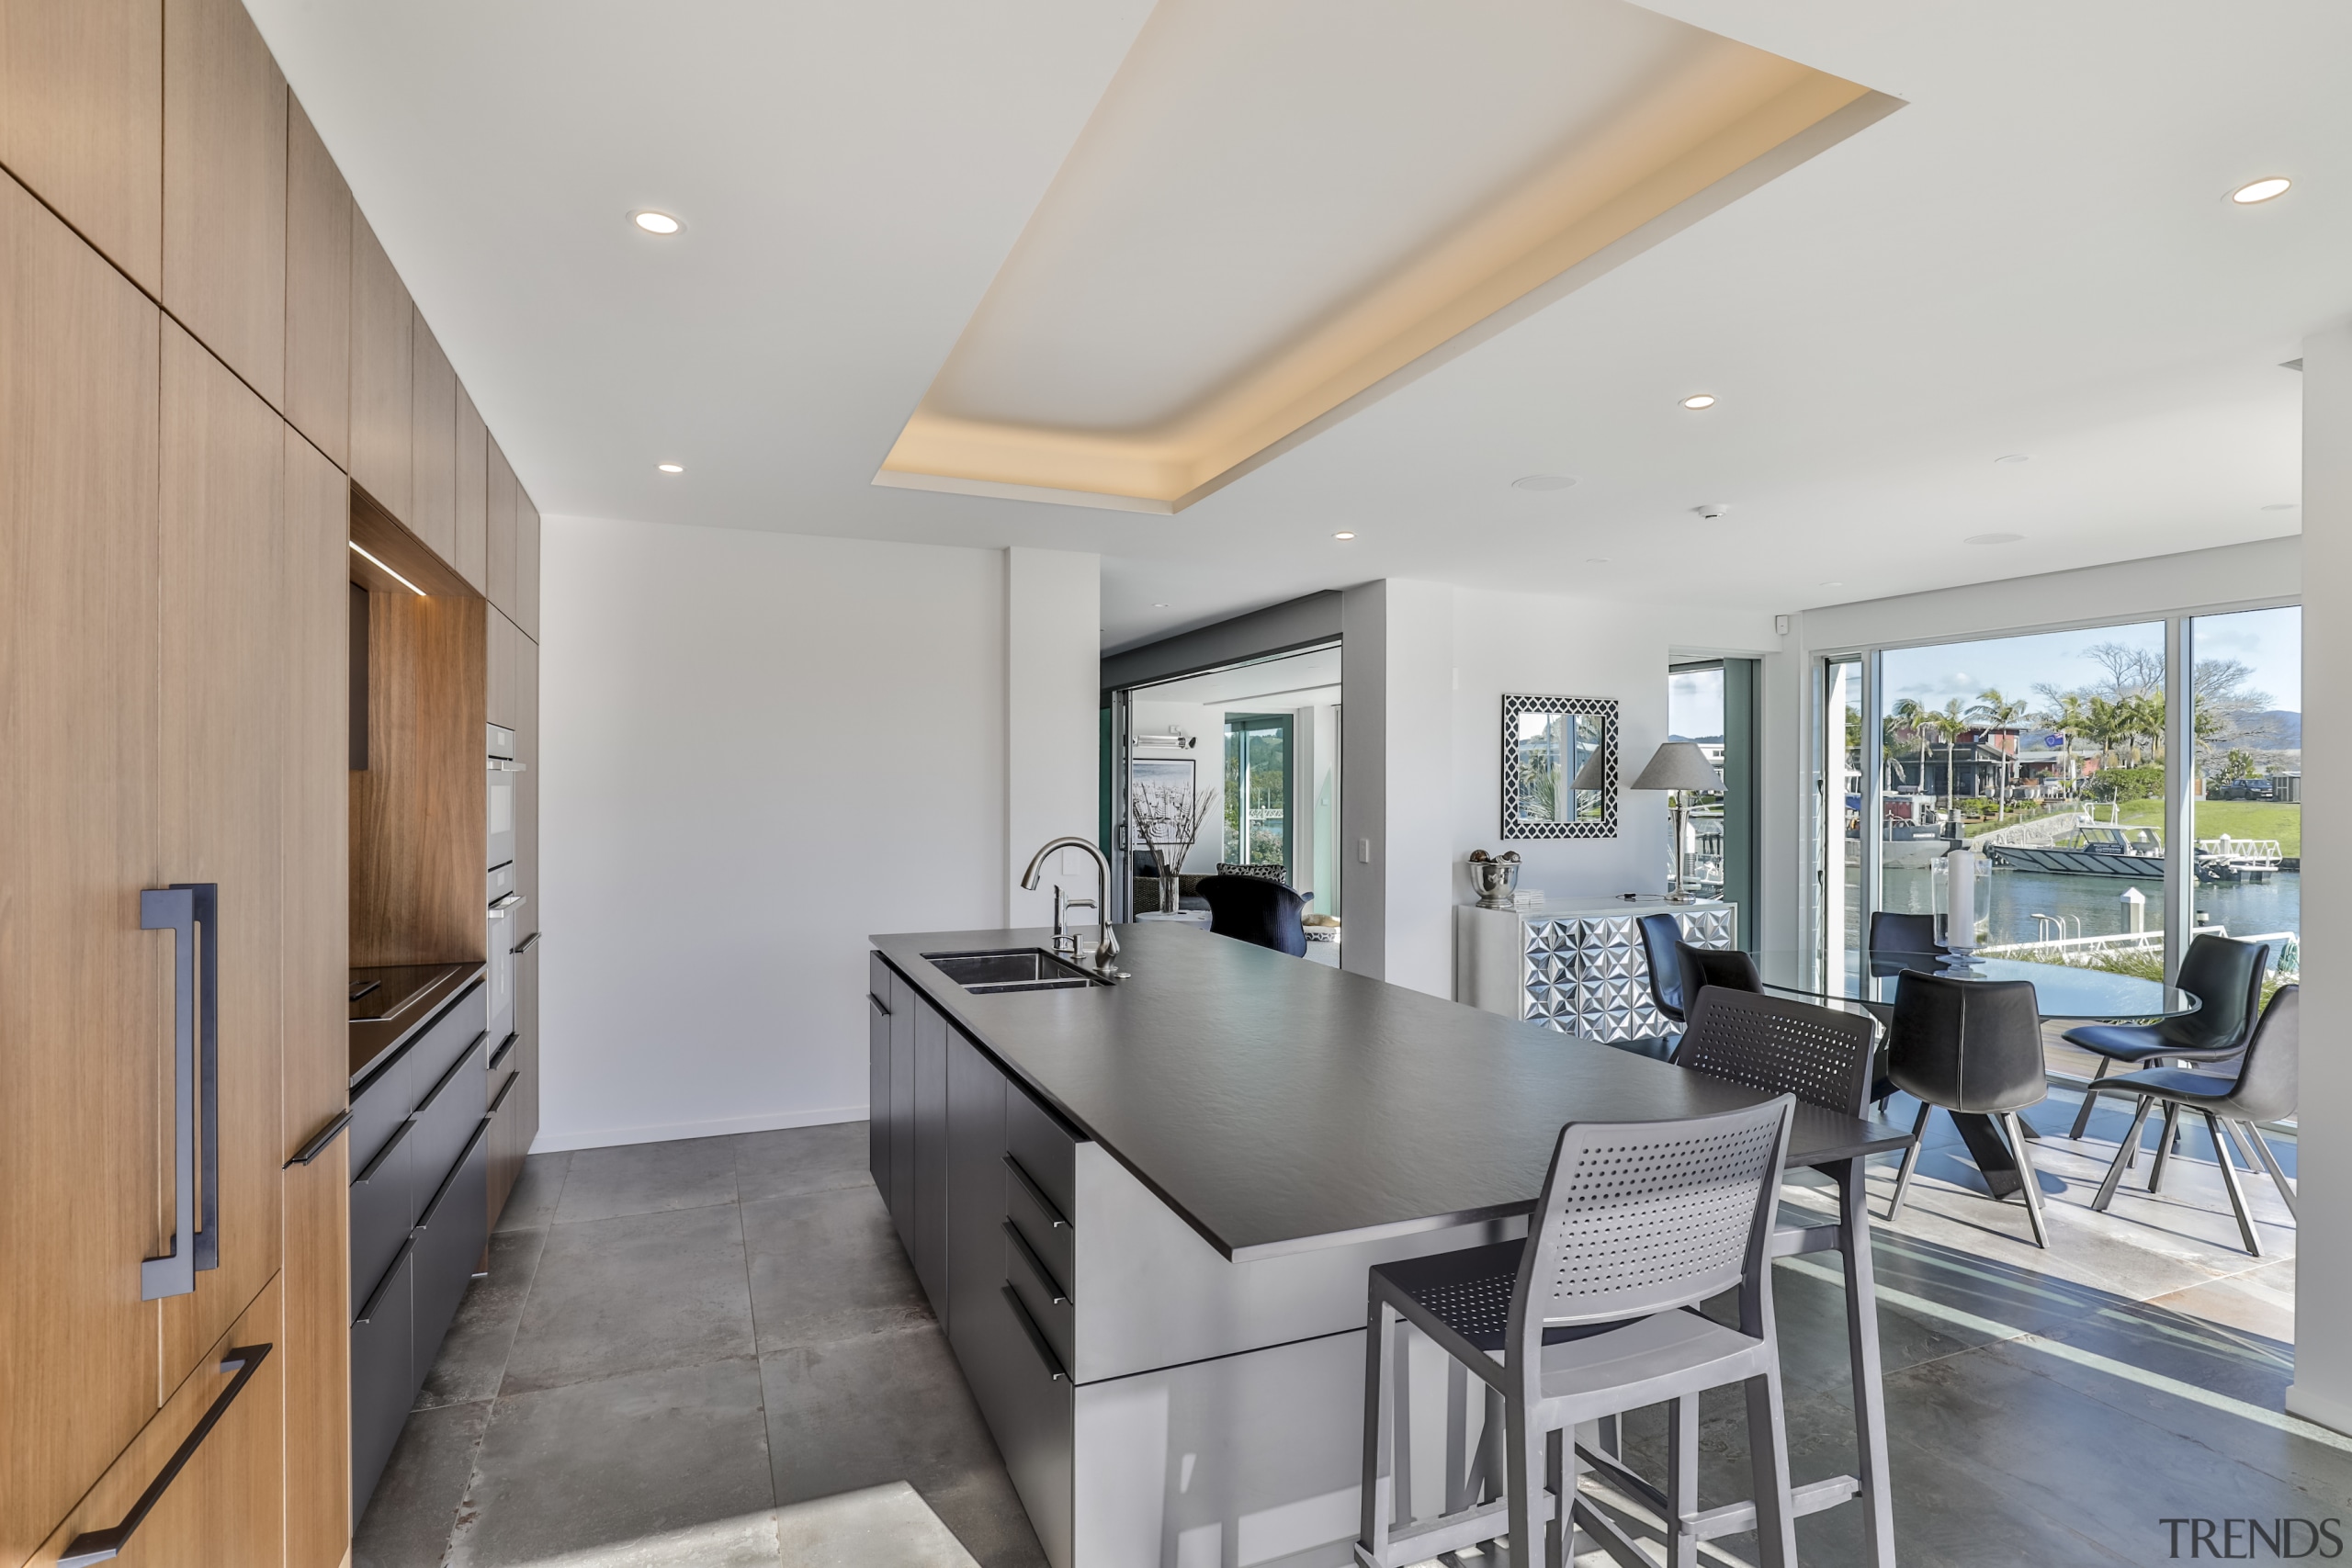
{"x":104,"y":1546}
{"x":183,"y":909}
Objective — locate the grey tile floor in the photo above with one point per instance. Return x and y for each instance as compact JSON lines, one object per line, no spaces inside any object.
{"x":714,"y":1352}
{"x":710,"y":1352}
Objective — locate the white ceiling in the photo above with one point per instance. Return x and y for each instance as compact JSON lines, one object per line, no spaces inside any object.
{"x":2035,"y":257}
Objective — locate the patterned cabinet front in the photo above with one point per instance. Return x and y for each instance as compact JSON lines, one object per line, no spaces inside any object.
{"x":1586,"y":975}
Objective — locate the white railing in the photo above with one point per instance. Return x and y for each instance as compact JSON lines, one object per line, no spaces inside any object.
{"x":2286,"y":960}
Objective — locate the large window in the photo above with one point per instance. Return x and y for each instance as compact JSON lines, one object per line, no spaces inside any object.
{"x":1256,"y":789}
{"x":1694,"y":712}
{"x":2245,"y":800}
{"x":2129,"y":784}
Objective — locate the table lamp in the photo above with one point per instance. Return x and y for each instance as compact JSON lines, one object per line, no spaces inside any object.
{"x":1678,"y":767}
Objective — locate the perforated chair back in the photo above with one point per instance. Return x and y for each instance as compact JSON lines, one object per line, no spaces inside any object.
{"x":2268,"y":1083}
{"x":1782,"y":1046}
{"x":2221,"y":974}
{"x":1642,"y":1218}
{"x":1723,"y":967}
{"x":1661,"y":937}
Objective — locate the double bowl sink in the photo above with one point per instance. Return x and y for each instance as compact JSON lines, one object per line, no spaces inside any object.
{"x":1012,"y":969}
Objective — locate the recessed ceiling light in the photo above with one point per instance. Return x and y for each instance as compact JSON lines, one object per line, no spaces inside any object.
{"x":2260,"y":190}
{"x":656,"y":222}
{"x":2281,"y":506}
{"x":1839,"y":584}
{"x":1992,"y":540}
{"x":1159,"y":604}
{"x":1596,"y":560}
{"x":1343,"y":536}
{"x":1543,"y":481}
{"x":2013,"y":458}
{"x":669,"y":467}
{"x":1700,"y":400}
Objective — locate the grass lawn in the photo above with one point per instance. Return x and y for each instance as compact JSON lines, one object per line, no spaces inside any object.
{"x":2238,"y":818}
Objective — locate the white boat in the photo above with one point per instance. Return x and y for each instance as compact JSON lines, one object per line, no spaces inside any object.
{"x":2133,"y":852}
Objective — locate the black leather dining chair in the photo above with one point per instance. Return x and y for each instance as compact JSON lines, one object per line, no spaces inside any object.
{"x":2225,"y":976}
{"x":1894,"y":933}
{"x":1254,"y":908}
{"x":1661,"y":946}
{"x":1968,"y":1046}
{"x":2263,"y":1090}
{"x":1726,"y":968}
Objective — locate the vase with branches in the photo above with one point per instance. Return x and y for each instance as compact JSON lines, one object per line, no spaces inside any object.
{"x":1168,"y":819}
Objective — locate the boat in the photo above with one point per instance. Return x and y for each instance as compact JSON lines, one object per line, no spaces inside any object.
{"x":2133,"y":852}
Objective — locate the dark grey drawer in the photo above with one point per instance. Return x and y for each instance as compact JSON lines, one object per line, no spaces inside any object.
{"x":1048,"y":1304}
{"x":1046,"y":1150}
{"x":383,"y":1207}
{"x":377,"y":1109}
{"x":446,"y":1117}
{"x":449,"y":1238}
{"x":381,"y":1385}
{"x":1029,"y":1407}
{"x":454,"y":1034}
{"x":1044,"y":1227}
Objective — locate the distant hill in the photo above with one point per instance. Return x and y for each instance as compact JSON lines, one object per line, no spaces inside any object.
{"x":1711,"y":739}
{"x":2276,"y":730}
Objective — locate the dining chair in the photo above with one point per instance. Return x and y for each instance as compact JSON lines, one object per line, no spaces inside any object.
{"x":2264,"y":1090}
{"x":2225,"y":976}
{"x":1900,"y":933}
{"x":1727,"y":969}
{"x":1661,"y":938}
{"x":1583,"y":1320}
{"x":1972,"y":1046}
{"x":1257,"y":910}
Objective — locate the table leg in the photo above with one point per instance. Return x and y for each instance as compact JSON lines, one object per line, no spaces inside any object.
{"x":1994,"y":1161}
{"x":1861,"y":1343}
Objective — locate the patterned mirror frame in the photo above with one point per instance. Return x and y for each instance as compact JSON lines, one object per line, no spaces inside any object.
{"x":1517,"y":827}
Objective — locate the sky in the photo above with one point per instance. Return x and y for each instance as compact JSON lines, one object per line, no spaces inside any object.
{"x":2270,"y":641}
{"x":1694,"y":704}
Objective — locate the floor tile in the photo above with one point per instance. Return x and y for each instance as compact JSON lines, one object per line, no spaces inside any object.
{"x":827,"y":1266}
{"x":415,"y":1506}
{"x":472,"y":1362}
{"x":881,"y":1527}
{"x":532,"y":1204}
{"x":2259,"y":1301}
{"x":801,"y":1159}
{"x":887,"y":1407}
{"x":591,"y":1467}
{"x":643,"y":1179}
{"x":631,"y":1293}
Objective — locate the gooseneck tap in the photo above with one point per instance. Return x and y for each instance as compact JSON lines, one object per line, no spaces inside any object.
{"x":1107,"y":947}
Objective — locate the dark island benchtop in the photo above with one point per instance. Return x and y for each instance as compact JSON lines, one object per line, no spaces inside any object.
{"x":1279,"y":1105}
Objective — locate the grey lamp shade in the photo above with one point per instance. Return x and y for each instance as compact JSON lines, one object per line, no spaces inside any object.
{"x":1679,"y":764}
{"x":1594,"y":774}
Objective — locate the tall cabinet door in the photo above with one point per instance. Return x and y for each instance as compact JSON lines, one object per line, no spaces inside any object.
{"x":85,"y":996}
{"x":526,"y":787}
{"x":224,"y":713}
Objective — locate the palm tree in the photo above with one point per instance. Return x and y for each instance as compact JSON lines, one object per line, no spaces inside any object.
{"x":1947,"y":723}
{"x":1995,"y":711}
{"x":1912,"y":718}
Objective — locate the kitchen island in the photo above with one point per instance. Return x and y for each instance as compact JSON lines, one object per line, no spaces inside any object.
{"x":1144,"y":1212}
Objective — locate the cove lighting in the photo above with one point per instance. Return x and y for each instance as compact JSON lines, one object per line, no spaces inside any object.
{"x":395,"y":576}
{"x":2260,"y":190}
{"x":1701,"y":400}
{"x":1343,"y":536}
{"x":669,"y":467}
{"x":656,"y":222}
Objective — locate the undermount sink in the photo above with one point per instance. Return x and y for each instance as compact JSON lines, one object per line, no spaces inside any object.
{"x":1012,"y":969}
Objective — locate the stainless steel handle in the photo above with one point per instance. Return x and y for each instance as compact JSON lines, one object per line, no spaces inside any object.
{"x":501,"y":904}
{"x":501,"y":765}
{"x":524,"y":945}
{"x":878,"y":1005}
{"x":503,"y":1046}
{"x":318,"y":1145}
{"x":1036,"y":1338}
{"x":104,"y":1546}
{"x":183,"y":909}
{"x":1036,"y":1194}
{"x":376,"y":1296}
{"x":1036,"y":1265}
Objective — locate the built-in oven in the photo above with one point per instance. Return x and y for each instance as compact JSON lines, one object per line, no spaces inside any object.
{"x":506,"y":901}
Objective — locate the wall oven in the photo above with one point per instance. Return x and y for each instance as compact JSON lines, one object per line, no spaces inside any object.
{"x":504,"y":902}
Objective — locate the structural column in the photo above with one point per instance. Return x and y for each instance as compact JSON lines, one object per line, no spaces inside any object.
{"x":2323,"y":1387}
{"x":1396,"y":784}
{"x":1053,"y":642}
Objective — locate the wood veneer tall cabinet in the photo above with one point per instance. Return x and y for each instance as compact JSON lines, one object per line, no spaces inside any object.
{"x":205,"y":355}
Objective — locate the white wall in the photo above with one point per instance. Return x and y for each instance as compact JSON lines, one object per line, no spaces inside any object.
{"x":1052,"y":758}
{"x":2322,"y":1390}
{"x":1427,"y":666}
{"x":758,"y":749}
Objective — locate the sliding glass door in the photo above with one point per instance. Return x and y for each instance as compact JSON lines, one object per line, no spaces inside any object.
{"x":2246,"y":801}
{"x":1257,"y":789}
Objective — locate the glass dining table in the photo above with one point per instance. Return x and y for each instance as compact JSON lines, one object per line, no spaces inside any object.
{"x":2062,"y":992}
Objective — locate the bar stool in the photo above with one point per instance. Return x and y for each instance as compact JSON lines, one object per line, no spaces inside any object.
{"x":1582,"y":1321}
{"x":1823,"y":1057}
{"x":1972,"y":1047}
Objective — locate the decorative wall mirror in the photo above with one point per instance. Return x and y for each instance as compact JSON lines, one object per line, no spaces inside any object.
{"x":1559,"y":767}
